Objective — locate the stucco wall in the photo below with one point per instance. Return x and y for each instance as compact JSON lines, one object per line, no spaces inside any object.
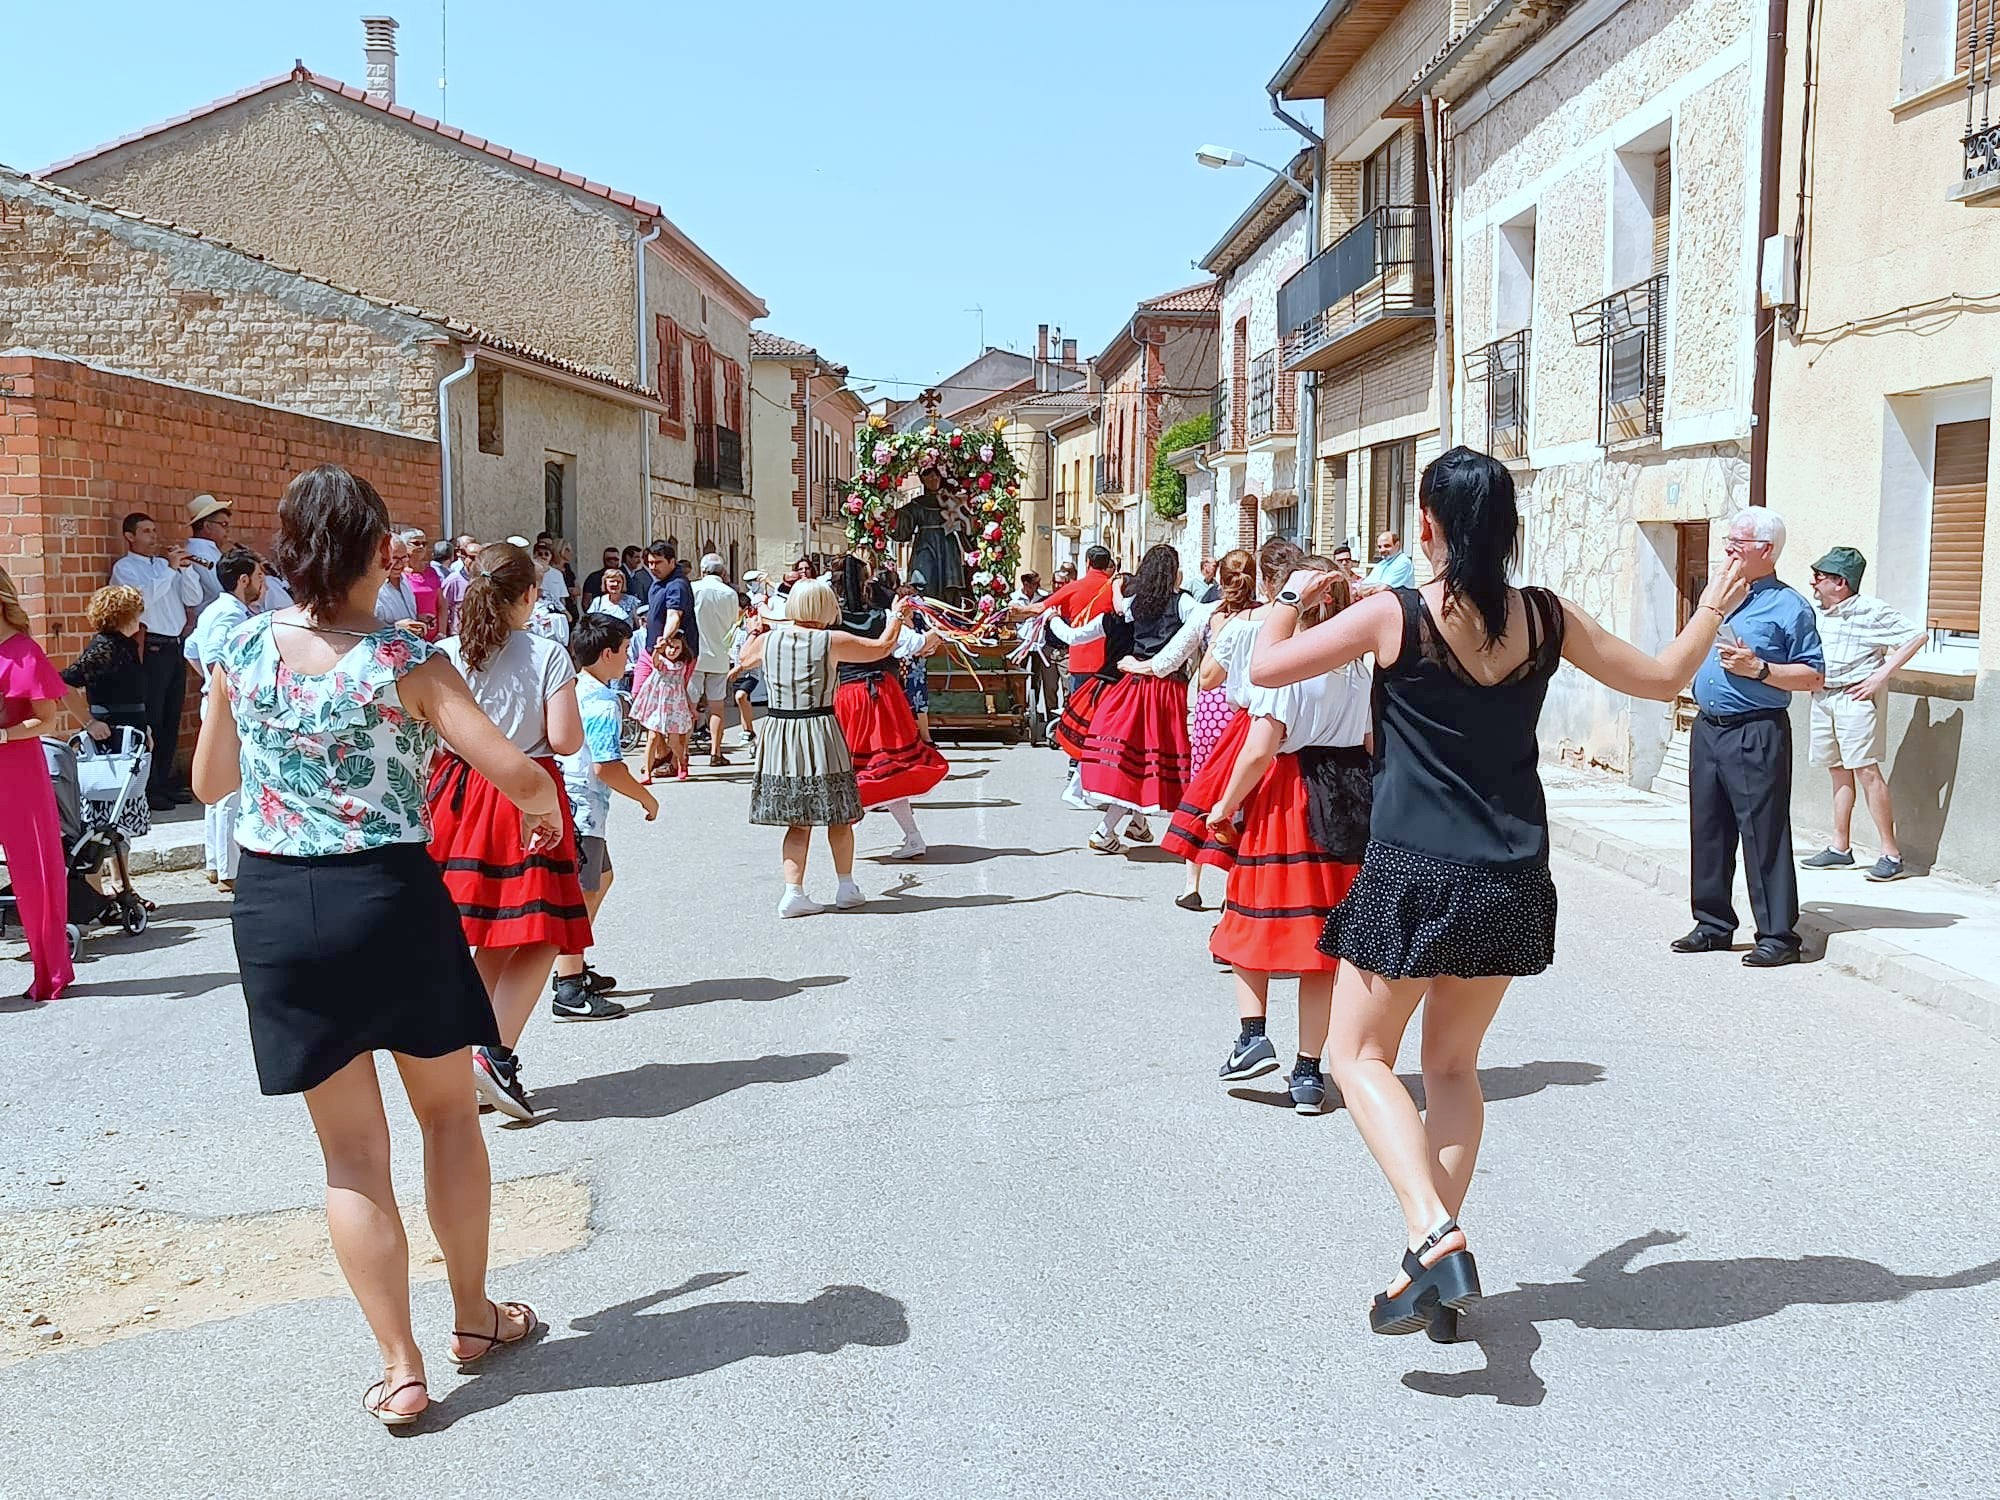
{"x":355,"y":195}
{"x":773,"y":400}
{"x":672,"y":292}
{"x":80,"y":280}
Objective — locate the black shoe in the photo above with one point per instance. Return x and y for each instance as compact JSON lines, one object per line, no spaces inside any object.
{"x":1443,"y":1326}
{"x":498,"y":1082}
{"x":182,"y":796}
{"x":1188,"y":901}
{"x":1771,"y":955}
{"x":574,"y":1000}
{"x":1451,"y":1282}
{"x":600,"y":984}
{"x":160,"y":802}
{"x":1704,"y":940}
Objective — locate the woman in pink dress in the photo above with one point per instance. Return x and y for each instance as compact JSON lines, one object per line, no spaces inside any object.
{"x":30,"y":837}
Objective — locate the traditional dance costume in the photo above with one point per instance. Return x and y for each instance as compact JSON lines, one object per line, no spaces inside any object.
{"x":802,"y":775}
{"x":1188,"y":836}
{"x":1284,"y":881}
{"x":506,"y":896}
{"x":892,"y":763}
{"x":1114,"y":633}
{"x":1456,"y":879}
{"x":1137,"y":754}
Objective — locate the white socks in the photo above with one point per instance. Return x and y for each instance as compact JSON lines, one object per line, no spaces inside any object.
{"x":848,"y":895}
{"x":1114,"y":819}
{"x":906,"y":819}
{"x":796,"y":903}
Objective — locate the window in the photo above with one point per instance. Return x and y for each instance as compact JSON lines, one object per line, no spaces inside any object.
{"x":1281,"y":516}
{"x":555,"y":492}
{"x":1378,"y":179}
{"x":1330,"y":507}
{"x":1392,"y":471}
{"x":1514,"y":276}
{"x":732,"y":398}
{"x":701,"y":363}
{"x":669,"y":375}
{"x":1641,"y":208}
{"x":1937,"y":43}
{"x":1958,"y":525}
{"x":492,"y":426}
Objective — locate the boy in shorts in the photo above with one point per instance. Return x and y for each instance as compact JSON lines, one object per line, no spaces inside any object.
{"x":590,"y":775}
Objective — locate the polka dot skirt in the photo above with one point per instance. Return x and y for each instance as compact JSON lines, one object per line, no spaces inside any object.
{"x":1413,"y":916}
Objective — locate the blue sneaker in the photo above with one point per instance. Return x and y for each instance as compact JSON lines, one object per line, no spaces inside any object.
{"x":1884,"y":868}
{"x":1251,"y":1057}
{"x":1308,"y":1087}
{"x":1830,"y":859}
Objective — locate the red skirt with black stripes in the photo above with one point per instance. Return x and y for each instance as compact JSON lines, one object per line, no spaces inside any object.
{"x":891,"y":760}
{"x":506,"y":897}
{"x":1072,"y":731}
{"x":1138,"y":755}
{"x":1282,"y":885}
{"x":1188,"y":836}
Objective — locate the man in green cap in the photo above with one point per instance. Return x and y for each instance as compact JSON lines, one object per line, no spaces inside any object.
{"x":1866,"y":642}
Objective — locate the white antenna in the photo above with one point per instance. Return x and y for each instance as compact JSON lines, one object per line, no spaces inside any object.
{"x":982,"y":325}
{"x":444,"y":19}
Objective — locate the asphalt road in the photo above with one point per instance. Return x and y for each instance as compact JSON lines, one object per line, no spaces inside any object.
{"x":943,"y":1197}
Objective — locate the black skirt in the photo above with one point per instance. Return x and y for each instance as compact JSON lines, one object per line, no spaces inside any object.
{"x":352,"y":953}
{"x":1414,"y":916}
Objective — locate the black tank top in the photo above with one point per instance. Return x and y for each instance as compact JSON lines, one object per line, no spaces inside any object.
{"x":1150,"y":637}
{"x":1117,"y":645}
{"x":868,"y":626}
{"x":1455,"y":760}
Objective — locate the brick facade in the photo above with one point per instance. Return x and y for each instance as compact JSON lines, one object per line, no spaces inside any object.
{"x":81,"y":446}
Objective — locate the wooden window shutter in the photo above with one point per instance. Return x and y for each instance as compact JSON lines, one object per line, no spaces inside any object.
{"x":732,"y":400}
{"x":1958,"y":524}
{"x":669,"y":372}
{"x":1663,"y":207}
{"x":1968,"y":19}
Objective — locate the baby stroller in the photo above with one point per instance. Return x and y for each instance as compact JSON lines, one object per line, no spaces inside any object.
{"x":94,"y":784}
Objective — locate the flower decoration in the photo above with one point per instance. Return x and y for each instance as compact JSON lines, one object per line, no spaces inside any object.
{"x":979,"y":470}
{"x":986,"y":453}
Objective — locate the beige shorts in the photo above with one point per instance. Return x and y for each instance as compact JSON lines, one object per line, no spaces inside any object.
{"x":1847,"y":732}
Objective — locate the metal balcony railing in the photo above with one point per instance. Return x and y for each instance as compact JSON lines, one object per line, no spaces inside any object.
{"x":1982,"y":131}
{"x":1263,"y":394}
{"x":718,"y":458}
{"x":1629,"y":330}
{"x":831,"y":498}
{"x":1109,"y":477}
{"x":1380,"y":267}
{"x":1502,"y":366}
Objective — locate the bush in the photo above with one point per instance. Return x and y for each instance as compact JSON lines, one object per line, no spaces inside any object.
{"x":1169,"y":489}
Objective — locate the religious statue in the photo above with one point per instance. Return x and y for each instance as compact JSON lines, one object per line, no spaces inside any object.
{"x":935,"y":528}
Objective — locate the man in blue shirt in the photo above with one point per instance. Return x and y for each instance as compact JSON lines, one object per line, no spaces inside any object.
{"x":670,"y":601}
{"x":1740,"y":753}
{"x":1393,"y":568}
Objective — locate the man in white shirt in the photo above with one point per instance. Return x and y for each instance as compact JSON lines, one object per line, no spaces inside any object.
{"x":396,"y":602}
{"x":170,"y":590}
{"x":208,"y":539}
{"x":716,"y":609}
{"x":242,"y":578}
{"x":1866,"y":642}
{"x":1393,"y":568}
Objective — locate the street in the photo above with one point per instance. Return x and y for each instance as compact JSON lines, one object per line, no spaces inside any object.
{"x":943,"y":1197}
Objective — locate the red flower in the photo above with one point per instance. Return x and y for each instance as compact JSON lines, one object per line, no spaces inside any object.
{"x":958,"y":440}
{"x":884,"y":482}
{"x":986,"y":481}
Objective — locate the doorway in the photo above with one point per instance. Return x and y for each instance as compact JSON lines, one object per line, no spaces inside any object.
{"x":1690,"y":568}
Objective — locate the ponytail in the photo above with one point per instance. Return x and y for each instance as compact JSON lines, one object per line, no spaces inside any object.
{"x":503,"y":576}
{"x":1471,"y":498}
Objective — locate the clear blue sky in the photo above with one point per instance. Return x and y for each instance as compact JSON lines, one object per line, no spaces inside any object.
{"x":871,"y":171}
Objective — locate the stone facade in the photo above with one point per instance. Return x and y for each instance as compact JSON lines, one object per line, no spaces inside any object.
{"x":1248,"y":473}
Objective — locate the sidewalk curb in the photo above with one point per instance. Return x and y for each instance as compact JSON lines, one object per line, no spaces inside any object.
{"x":1910,"y":975}
{"x":152,"y":859}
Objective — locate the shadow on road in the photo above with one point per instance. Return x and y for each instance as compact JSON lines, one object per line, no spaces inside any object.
{"x":708,"y":991}
{"x":968,"y":854}
{"x":928,"y":806}
{"x":623,"y":1346}
{"x":1671,"y":1295}
{"x":153,"y":987}
{"x":898,"y":899}
{"x":655,"y":1090}
{"x":1515,"y":1081}
{"x":1858,"y":918}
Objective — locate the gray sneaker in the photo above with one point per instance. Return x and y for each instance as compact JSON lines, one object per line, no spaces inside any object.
{"x":1251,"y":1057}
{"x":1884,"y":868}
{"x":1830,"y":859}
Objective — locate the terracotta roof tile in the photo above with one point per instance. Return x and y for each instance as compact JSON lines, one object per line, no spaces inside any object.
{"x":1203,"y":296}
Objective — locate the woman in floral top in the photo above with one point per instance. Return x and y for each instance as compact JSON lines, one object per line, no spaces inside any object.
{"x":325,"y":720}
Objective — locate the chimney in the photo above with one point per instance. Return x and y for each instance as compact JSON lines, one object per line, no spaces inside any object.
{"x":380,"y":47}
{"x":1069,"y":354}
{"x":1091,"y":383}
{"x":1041,"y":341}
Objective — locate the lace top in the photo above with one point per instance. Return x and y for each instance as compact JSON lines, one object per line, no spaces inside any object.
{"x":1455,"y":758}
{"x":332,"y":762}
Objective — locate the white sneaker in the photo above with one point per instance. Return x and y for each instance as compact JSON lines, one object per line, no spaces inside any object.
{"x":1103,"y":843}
{"x":796,"y":903}
{"x":1073,"y":794}
{"x":911,"y":848}
{"x":848,"y":896}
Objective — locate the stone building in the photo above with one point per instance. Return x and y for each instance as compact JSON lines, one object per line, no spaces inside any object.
{"x":803,"y":419}
{"x":352,"y":186}
{"x":1362,"y":316}
{"x":1602,"y":209}
{"x":1254,"y":492}
{"x":1157,"y":370}
{"x":1883,"y":383}
{"x":1072,"y":438}
{"x":1034,"y":425}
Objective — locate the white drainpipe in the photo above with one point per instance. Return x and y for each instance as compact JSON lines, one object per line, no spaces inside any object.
{"x":645,"y":418}
{"x":447,"y":513}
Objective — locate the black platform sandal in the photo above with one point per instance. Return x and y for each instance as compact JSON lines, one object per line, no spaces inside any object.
{"x":1452,"y":1283}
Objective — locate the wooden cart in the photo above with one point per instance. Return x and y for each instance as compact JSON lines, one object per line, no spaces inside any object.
{"x":995,"y":701}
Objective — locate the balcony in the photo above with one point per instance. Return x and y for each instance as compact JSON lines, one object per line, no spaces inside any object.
{"x":1370,"y":286}
{"x":1502,"y":367}
{"x":1629,"y":330}
{"x":718,"y":458}
{"x":1110,"y":477}
{"x":1069,"y":506}
{"x":830,"y":500}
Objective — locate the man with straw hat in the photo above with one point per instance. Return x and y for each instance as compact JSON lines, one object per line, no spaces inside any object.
{"x":1867,"y":642}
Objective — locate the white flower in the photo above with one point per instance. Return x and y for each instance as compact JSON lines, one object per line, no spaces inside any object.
{"x":986,"y":453}
{"x":882,"y":453}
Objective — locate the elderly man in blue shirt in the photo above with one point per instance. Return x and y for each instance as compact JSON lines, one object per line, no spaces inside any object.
{"x":1740,"y":753}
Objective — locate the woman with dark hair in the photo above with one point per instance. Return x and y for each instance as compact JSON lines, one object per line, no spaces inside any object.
{"x":1454,"y":896}
{"x":1137,"y":760}
{"x":30,"y":834}
{"x":519,"y":911}
{"x":892,"y":761}
{"x":346,"y":938}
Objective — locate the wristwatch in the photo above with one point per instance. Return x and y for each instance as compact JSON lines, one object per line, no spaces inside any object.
{"x":1763,"y":671}
{"x":1288,"y":597}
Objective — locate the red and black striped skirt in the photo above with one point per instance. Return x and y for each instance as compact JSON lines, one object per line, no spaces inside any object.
{"x":1188,"y":836}
{"x":891,"y":760}
{"x":1282,"y":885}
{"x":1137,"y":755}
{"x":1072,"y":731}
{"x":506,"y":897}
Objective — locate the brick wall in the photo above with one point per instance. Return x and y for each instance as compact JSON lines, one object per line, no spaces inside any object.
{"x":81,"y":447}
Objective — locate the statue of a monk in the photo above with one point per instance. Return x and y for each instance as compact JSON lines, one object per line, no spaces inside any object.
{"x":931,"y":524}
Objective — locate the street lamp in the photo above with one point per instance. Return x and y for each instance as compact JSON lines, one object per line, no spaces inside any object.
{"x":1219,"y":158}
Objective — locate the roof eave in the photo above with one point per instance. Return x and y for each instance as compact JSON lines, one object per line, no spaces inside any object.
{"x":1460,"y":67}
{"x":1302,"y":53}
